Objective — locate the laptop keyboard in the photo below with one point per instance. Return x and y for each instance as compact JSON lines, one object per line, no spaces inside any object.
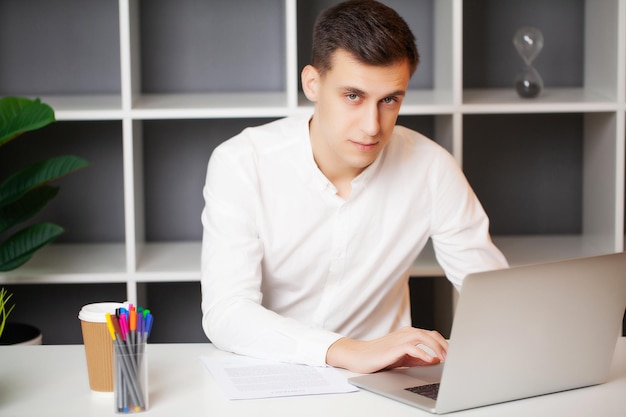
{"x":430,"y":390}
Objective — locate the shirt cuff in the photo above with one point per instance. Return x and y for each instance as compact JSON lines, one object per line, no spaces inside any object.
{"x":312,"y":350}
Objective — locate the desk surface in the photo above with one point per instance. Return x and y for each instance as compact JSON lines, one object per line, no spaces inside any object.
{"x":52,"y":381}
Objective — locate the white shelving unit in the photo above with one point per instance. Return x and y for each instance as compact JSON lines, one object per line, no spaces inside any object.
{"x":136,"y":259}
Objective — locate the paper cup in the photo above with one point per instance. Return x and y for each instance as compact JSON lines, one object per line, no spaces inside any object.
{"x":98,"y":344}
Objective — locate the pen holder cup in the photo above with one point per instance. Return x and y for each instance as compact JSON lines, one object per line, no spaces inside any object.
{"x":130,"y":377}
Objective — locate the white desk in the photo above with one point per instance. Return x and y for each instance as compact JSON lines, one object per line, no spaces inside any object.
{"x":52,"y":381}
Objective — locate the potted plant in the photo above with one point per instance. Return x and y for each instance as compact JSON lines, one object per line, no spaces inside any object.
{"x":24,"y":193}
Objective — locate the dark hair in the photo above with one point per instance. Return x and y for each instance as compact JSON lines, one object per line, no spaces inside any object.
{"x":373,"y":33}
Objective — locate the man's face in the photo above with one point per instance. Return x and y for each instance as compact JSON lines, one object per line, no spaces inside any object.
{"x":356,"y":108}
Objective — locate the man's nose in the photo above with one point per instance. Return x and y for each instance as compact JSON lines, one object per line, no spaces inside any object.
{"x":370,"y":124}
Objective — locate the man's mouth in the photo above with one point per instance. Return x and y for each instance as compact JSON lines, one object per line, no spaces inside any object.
{"x":365,"y":147}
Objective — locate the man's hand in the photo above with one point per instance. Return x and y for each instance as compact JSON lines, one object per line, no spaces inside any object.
{"x":397,"y":349}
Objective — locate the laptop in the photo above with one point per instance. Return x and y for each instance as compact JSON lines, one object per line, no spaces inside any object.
{"x":518,"y":333}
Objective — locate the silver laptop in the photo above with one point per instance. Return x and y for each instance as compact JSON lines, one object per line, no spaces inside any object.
{"x":520,"y":332}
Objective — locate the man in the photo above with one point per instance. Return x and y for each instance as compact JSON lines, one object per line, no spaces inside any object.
{"x":311,"y":224}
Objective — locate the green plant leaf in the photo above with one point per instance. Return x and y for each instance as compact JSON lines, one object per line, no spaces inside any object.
{"x":5,"y":310}
{"x":19,"y":115}
{"x":26,"y":207}
{"x":38,"y":174}
{"x":21,"y":246}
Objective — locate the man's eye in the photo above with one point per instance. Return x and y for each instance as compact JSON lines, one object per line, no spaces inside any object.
{"x":389,"y":100}
{"x":352,"y":97}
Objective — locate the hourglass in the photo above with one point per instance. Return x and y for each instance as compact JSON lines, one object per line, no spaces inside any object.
{"x":528,"y":41}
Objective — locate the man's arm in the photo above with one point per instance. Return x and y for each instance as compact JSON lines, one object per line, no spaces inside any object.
{"x":460,"y":226}
{"x":234,"y":318}
{"x":460,"y":232}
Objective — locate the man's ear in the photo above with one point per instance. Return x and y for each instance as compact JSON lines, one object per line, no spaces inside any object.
{"x":310,"y":77}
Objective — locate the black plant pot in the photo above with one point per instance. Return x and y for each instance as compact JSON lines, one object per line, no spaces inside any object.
{"x":20,"y":334}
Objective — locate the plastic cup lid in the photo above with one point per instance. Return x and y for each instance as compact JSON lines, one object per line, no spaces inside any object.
{"x":96,"y":312}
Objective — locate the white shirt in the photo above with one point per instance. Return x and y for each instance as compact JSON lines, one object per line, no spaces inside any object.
{"x":289,"y":267}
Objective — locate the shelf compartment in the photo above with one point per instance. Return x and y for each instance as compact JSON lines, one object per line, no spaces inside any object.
{"x":90,"y":202}
{"x":490,"y":59}
{"x":580,"y":40}
{"x":184,"y":48}
{"x":547,"y":174}
{"x":527,"y":171}
{"x":175,"y":158}
{"x":54,"y":308}
{"x":179,"y":316}
{"x":65,"y":47}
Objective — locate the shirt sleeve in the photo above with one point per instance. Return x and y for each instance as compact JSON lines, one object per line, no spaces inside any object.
{"x":234,"y":318}
{"x":460,"y":226}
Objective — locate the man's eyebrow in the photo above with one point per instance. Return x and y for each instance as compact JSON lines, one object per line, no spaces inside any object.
{"x":359,"y":92}
{"x":354,"y":90}
{"x":397,"y":93}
